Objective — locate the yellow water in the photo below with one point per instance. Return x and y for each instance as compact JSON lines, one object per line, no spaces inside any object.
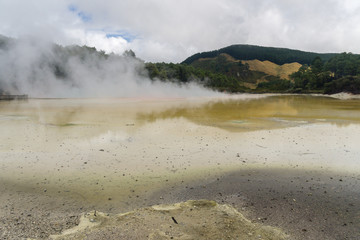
{"x":93,"y":149}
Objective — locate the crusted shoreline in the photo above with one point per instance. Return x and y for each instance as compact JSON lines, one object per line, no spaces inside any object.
{"x":303,"y":204}
{"x":201,"y":219}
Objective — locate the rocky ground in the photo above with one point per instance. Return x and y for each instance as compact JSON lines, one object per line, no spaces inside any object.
{"x":201,"y":219}
{"x":54,"y":169}
{"x":304,"y":204}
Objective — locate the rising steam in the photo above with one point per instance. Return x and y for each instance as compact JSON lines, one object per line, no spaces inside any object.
{"x":42,"y":69}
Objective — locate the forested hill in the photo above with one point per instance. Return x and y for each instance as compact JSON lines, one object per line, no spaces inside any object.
{"x":246,"y":68}
{"x":250,"y":52}
{"x":31,"y":67}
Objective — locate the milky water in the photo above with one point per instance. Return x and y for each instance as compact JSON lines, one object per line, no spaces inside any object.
{"x":125,"y":149}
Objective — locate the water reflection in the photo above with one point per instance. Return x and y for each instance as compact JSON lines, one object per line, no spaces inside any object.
{"x":233,"y":114}
{"x":264,"y":113}
{"x":113,"y":153}
{"x":224,"y":113}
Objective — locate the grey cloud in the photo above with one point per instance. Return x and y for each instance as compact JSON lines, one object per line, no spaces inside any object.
{"x":172,"y":30}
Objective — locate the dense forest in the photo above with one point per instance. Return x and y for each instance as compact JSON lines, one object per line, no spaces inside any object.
{"x":320,"y":73}
{"x":339,"y":74}
{"x":222,"y":70}
{"x":28,"y":66}
{"x":218,"y":74}
{"x":275,"y":55}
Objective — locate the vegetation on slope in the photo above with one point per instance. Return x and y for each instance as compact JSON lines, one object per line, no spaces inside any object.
{"x":40,"y":68}
{"x":319,"y":73}
{"x":340,"y":74}
{"x":237,"y":68}
{"x":182,"y":73}
{"x":225,"y":73}
{"x":282,"y":71}
{"x":249,"y":52}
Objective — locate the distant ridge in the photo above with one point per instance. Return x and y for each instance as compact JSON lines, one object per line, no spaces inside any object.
{"x":13,"y":97}
{"x":251,"y":52}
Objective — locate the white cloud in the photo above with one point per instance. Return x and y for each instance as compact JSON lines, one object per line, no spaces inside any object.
{"x":97,"y":39}
{"x":172,"y":30}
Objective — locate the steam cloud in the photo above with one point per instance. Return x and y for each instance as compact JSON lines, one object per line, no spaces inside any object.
{"x":42,"y":69}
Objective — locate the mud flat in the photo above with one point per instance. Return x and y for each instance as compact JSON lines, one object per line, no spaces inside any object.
{"x":305,"y":204}
{"x":289,"y":162}
{"x":199,"y":219}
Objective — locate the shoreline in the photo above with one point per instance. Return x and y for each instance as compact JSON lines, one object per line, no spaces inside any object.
{"x":60,"y":159}
{"x":340,"y":96}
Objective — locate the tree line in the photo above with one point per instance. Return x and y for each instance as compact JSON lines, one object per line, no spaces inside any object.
{"x":339,"y":74}
{"x":250,"y":52}
{"x":320,"y":73}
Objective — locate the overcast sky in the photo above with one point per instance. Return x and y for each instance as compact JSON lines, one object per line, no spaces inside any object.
{"x":171,"y":30}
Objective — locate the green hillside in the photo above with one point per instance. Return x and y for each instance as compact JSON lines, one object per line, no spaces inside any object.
{"x":340,"y":74}
{"x":182,"y":74}
{"x":27,"y":65}
{"x":228,"y":70}
{"x":276,"y":55}
{"x":237,"y":68}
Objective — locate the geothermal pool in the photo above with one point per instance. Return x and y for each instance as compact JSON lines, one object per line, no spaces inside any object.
{"x":115,"y":155}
